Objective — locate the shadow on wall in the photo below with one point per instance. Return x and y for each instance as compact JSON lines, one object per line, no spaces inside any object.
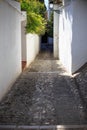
{"x":65,"y":37}
{"x":80,"y":78}
{"x":75,"y":34}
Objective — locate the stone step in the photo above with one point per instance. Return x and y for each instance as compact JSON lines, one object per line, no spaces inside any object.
{"x":56,"y":127}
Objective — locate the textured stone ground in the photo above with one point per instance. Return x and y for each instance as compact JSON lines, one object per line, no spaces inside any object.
{"x":44,"y":94}
{"x":81,"y":83}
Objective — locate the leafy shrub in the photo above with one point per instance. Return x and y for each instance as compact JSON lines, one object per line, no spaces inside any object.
{"x":35,"y":10}
{"x":35,"y":23}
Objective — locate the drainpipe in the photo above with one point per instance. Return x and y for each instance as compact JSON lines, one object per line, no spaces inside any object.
{"x":56,"y":32}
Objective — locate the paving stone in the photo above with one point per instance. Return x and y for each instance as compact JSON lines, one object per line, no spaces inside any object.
{"x":44,"y":94}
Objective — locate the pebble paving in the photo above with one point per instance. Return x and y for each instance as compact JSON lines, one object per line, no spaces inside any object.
{"x":44,"y":94}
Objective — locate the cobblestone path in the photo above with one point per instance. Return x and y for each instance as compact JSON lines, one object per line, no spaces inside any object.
{"x":44,"y":94}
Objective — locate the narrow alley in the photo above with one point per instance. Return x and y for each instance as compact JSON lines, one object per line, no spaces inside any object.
{"x":44,"y":94}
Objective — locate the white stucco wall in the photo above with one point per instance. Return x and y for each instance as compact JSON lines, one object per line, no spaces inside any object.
{"x":65,"y":36}
{"x":15,"y":4}
{"x":79,"y":43}
{"x":10,"y":46}
{"x":33,"y":47}
{"x":73,"y":35}
{"x":30,"y":43}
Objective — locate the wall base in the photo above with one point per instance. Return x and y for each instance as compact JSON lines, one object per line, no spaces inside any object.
{"x":23,"y":65}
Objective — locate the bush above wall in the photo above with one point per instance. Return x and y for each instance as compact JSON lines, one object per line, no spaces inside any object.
{"x":36,"y":22}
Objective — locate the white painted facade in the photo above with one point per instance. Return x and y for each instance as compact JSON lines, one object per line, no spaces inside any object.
{"x":79,"y":41}
{"x":65,"y":37}
{"x":14,"y":4}
{"x":30,"y":44}
{"x":32,"y":47}
{"x":72,"y":35}
{"x":10,"y":45}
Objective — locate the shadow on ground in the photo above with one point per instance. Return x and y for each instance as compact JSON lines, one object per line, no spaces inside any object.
{"x":45,"y":94}
{"x":80,"y":78}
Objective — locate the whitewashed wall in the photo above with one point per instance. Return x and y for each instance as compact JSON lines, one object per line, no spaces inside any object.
{"x":30,"y":43}
{"x":10,"y":46}
{"x":65,"y":36}
{"x":79,"y":41}
{"x":73,"y":35}
{"x":14,"y":4}
{"x":33,"y":47}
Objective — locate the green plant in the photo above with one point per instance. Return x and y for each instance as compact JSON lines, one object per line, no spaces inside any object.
{"x":35,"y":24}
{"x":50,"y":26}
{"x":35,"y":10}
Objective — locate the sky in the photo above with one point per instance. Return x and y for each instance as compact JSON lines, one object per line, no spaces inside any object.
{"x":46,"y":3}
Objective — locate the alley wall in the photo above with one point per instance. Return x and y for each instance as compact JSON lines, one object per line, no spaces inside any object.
{"x":65,"y":37}
{"x":10,"y":46}
{"x":79,"y":41}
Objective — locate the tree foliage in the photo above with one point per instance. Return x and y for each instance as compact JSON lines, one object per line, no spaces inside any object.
{"x":35,"y":16}
{"x":50,"y":26}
